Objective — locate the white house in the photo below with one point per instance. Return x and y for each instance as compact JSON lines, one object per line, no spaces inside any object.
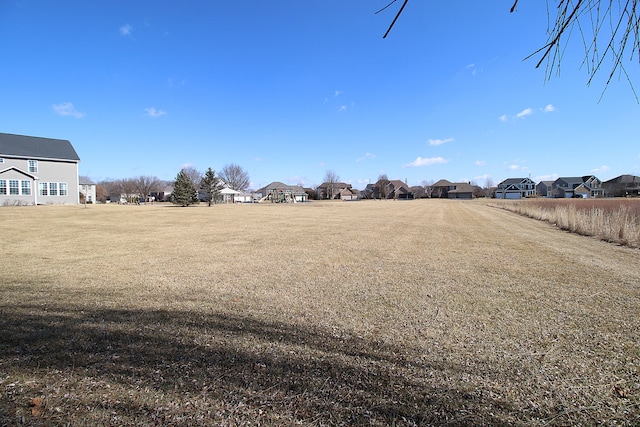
{"x":87,"y":189}
{"x":36,"y":170}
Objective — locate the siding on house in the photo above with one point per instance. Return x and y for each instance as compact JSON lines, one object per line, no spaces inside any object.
{"x":47,"y":170}
{"x":516,"y":188}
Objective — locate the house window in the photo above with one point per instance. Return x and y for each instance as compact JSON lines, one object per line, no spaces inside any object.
{"x":26,"y":188}
{"x":33,"y":166}
{"x":53,"y":188}
{"x":3,"y":187}
{"x":63,"y":188}
{"x":14,"y":187}
{"x":43,"y":189}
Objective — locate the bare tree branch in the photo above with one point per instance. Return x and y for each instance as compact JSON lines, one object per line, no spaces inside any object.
{"x":397,"y":15}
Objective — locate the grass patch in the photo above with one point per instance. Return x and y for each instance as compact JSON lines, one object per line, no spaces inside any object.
{"x":612,"y":220}
{"x":371,"y":313}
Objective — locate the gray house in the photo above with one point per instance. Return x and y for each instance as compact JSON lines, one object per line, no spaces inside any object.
{"x":544,"y":188}
{"x":516,"y":188}
{"x":578,"y":186}
{"x":37,"y":171}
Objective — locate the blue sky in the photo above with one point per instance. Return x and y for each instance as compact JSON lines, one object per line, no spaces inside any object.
{"x":291,"y":89}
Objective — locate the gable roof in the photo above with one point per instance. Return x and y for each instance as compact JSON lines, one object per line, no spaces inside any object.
{"x":277,"y":185}
{"x":442,"y":183}
{"x":462,"y":187}
{"x":624,"y":179}
{"x":19,"y":171}
{"x":85,"y":180}
{"x":513,"y":181}
{"x":33,"y":147}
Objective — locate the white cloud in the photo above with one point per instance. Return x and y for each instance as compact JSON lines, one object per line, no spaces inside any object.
{"x":342,"y":108}
{"x":126,"y":30}
{"x":337,"y":93}
{"x":514,"y":167}
{"x":503,"y":118}
{"x":67,"y":109}
{"x":548,"y":177}
{"x":419,"y":162}
{"x":524,"y":113}
{"x":548,"y":109}
{"x":603,"y":168}
{"x":367,"y":156}
{"x":481,"y":163}
{"x":152,"y":112}
{"x":440,"y":141}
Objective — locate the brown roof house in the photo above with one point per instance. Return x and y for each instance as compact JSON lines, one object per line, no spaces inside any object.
{"x":331,"y":190}
{"x":277,"y":192}
{"x":622,"y":186}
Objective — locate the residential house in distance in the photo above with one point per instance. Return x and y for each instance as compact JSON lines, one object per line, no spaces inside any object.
{"x":462,"y":190}
{"x":87,"y":189}
{"x":516,"y":188}
{"x":36,"y":170}
{"x":587,"y":186}
{"x":544,"y":188}
{"x":331,"y":190}
{"x":441,"y":188}
{"x":444,"y":189}
{"x":622,"y":186}
{"x":277,"y":192}
{"x":385,"y":189}
{"x":349,"y":194}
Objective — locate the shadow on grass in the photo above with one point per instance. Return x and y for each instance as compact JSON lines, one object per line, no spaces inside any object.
{"x":175,"y":367}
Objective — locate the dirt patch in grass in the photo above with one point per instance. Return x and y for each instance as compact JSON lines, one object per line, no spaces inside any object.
{"x":371,"y":313}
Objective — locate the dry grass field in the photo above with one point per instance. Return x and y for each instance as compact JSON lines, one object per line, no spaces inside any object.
{"x":431,"y":312}
{"x":613,"y":220}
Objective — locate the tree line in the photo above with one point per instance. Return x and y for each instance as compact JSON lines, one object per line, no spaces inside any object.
{"x":189,"y":186}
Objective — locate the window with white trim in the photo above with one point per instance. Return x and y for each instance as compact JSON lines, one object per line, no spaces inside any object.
{"x":25,"y":188}
{"x":3,"y":187}
{"x":62,"y":186}
{"x":33,"y":166}
{"x":14,"y":187}
{"x":43,"y":189}
{"x":53,"y":188}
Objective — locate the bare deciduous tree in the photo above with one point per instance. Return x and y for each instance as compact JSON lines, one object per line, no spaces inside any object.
{"x":383,"y":186}
{"x":331,"y":178}
{"x":428,"y":187}
{"x":194,"y":175}
{"x":235,"y":177}
{"x":610,"y":32}
{"x":145,"y":185}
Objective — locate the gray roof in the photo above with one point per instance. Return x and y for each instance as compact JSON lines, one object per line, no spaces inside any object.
{"x":85,"y":180}
{"x":33,"y":147}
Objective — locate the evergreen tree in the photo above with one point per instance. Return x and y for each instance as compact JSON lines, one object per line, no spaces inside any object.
{"x":210,"y":185}
{"x":184,"y":192}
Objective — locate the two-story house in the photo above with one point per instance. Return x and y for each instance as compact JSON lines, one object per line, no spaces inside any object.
{"x":577,"y":186}
{"x":516,"y":188}
{"x":36,"y":170}
{"x":622,"y":186}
